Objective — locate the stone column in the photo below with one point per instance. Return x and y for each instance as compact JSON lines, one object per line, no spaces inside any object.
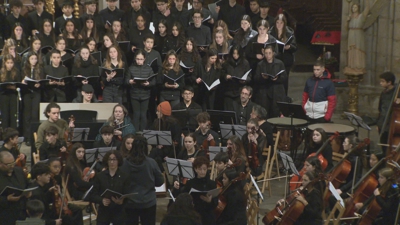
{"x":76,"y":8}
{"x":353,"y":79}
{"x":49,"y":6}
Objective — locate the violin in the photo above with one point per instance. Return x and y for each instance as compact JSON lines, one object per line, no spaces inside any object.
{"x":88,"y":173}
{"x":221,"y":198}
{"x":289,"y":212}
{"x":295,"y":181}
{"x":68,"y":137}
{"x":60,"y":202}
{"x":21,"y":162}
{"x":206,"y":143}
{"x":253,"y":150}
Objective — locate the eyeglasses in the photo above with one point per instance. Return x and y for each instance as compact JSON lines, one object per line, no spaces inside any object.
{"x":9,"y":164}
{"x":196,"y":17}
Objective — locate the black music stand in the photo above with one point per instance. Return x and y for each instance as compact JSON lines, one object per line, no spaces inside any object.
{"x":293,"y":111}
{"x":155,"y":137}
{"x":289,"y":166}
{"x":180,"y":168}
{"x":359,"y":122}
{"x":224,"y":117}
{"x":80,"y":134}
{"x":97,"y":153}
{"x":214,"y":150}
{"x":228,"y":130}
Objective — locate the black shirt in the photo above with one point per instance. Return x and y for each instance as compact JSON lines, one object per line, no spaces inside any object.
{"x":201,"y":35}
{"x":35,"y":22}
{"x":108,"y":15}
{"x":231,"y":15}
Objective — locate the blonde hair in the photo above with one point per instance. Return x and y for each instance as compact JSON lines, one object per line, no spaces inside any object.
{"x":7,"y":45}
{"x":176,"y":67}
{"x":225,"y":44}
{"x":107,"y":63}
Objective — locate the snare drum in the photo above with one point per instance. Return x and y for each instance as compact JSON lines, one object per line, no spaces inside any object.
{"x":330,"y":129}
{"x":284,"y":125}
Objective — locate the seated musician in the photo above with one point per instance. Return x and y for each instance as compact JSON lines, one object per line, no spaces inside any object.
{"x":111,"y":210}
{"x":77,"y":182}
{"x":47,"y":192}
{"x":12,"y":207}
{"x":235,"y":209}
{"x":190,"y":150}
{"x":236,"y":154}
{"x":348,"y":144}
{"x":121,"y":122}
{"x":311,"y":198}
{"x":204,"y":132}
{"x":52,"y":146}
{"x":107,"y":138}
{"x":259,"y":113}
{"x":86,"y":95}
{"x":52,"y":112}
{"x":34,"y":210}
{"x":182,"y":211}
{"x":203,"y":204}
{"x":319,"y":137}
{"x":386,"y":196}
{"x":254,"y":142}
{"x":221,"y":162}
{"x":10,"y":137}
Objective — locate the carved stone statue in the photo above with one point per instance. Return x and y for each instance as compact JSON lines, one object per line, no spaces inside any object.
{"x":356,"y":40}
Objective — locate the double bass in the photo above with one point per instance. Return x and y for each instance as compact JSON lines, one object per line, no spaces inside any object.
{"x":393,"y":117}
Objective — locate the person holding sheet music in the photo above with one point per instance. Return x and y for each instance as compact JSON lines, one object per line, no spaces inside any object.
{"x":77,"y":184}
{"x":286,"y":44}
{"x":199,"y":32}
{"x":237,"y":154}
{"x":203,"y":204}
{"x":208,"y":73}
{"x":111,"y":13}
{"x":20,"y":38}
{"x":111,"y":210}
{"x":252,"y":52}
{"x":53,"y":145}
{"x":12,"y":207}
{"x":9,"y":93}
{"x":44,"y":192}
{"x":144,"y":175}
{"x":171,"y":79}
{"x":254,"y":136}
{"x":46,"y":34}
{"x":140,"y":78}
{"x":232,"y":74}
{"x":137,"y":33}
{"x":90,"y":28}
{"x":175,"y":38}
{"x":57,"y":72}
{"x":236,"y":201}
{"x":85,"y":66}
{"x":191,"y":149}
{"x":71,"y":34}
{"x":113,"y":85}
{"x":161,"y":35}
{"x":222,"y":45}
{"x":52,"y":112}
{"x":268,"y":82}
{"x":204,"y":132}
{"x":10,"y":138}
{"x":245,"y":32}
{"x":120,"y":121}
{"x":190,"y":57}
{"x":198,"y":6}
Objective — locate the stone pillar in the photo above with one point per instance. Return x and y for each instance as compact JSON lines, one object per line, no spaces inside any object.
{"x":353,"y":80}
{"x":76,"y":8}
{"x":49,"y":7}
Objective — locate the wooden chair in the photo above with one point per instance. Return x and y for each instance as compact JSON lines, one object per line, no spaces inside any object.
{"x":269,"y":163}
{"x":80,"y":203}
{"x":336,"y":157}
{"x":252,"y":211}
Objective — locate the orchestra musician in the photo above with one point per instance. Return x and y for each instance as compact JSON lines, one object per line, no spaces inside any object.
{"x":191,"y":150}
{"x":254,"y":142}
{"x":10,"y":137}
{"x":319,"y":136}
{"x":236,"y":152}
{"x":204,"y":131}
{"x":53,"y":145}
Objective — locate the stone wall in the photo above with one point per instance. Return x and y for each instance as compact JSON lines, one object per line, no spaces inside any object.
{"x":382,"y":41}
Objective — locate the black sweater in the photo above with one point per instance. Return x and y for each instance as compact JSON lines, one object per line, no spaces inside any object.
{"x":235,"y":210}
{"x":138,"y":91}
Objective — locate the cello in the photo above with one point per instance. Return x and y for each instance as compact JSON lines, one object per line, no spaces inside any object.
{"x":221,"y":198}
{"x":295,"y":181}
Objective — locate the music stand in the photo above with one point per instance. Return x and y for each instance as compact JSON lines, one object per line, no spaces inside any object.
{"x":80,"y":134}
{"x":183,"y":116}
{"x":359,"y":122}
{"x":228,"y":130}
{"x":180,"y":168}
{"x":155,"y":137}
{"x":97,"y":153}
{"x":289,"y":165}
{"x":214,"y":150}
{"x":225,"y":117}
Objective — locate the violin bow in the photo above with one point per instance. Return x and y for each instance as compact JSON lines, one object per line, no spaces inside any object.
{"x":354,"y":176}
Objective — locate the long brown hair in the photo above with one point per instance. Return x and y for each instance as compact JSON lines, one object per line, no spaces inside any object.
{"x":283,"y":37}
{"x":124,"y":151}
{"x":4,"y":71}
{"x":107,"y":63}
{"x":93,"y":33}
{"x":75,"y":32}
{"x":28,"y":67}
{"x":239,"y":150}
{"x":225,"y":44}
{"x":225,"y":30}
{"x":166,"y":66}
{"x":79,"y":60}
{"x":73,"y":161}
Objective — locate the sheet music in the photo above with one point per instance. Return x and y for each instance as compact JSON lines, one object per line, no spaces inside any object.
{"x":288,"y":163}
{"x":357,"y":121}
{"x":336,"y":194}
{"x":214,"y":150}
